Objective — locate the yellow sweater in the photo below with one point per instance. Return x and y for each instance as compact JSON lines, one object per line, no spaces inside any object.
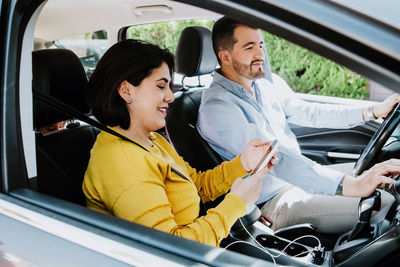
{"x":129,"y":182}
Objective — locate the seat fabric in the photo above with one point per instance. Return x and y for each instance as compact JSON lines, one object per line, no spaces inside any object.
{"x":194,"y":57}
{"x":181,"y":129}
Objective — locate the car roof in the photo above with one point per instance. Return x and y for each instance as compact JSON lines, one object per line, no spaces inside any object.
{"x":59,"y":18}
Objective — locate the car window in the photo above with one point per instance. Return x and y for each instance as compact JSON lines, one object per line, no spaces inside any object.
{"x":89,"y":47}
{"x":307,"y":72}
{"x":304,"y":71}
{"x":166,"y":35}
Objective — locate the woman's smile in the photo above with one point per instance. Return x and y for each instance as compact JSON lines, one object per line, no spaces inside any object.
{"x":163,"y":110}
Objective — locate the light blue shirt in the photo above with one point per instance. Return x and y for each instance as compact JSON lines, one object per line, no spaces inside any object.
{"x":229,"y":117}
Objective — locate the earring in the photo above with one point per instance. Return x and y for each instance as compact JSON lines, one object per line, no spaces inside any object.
{"x":129,"y":100}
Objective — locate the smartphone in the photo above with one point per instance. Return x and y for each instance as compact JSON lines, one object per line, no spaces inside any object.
{"x":266,"y":158}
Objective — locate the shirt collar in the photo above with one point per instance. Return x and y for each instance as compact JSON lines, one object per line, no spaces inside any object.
{"x":229,"y":85}
{"x":236,"y":88}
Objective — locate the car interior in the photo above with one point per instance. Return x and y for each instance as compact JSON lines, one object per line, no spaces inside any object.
{"x":194,"y":57}
{"x":61,"y":176}
{"x":62,"y":157}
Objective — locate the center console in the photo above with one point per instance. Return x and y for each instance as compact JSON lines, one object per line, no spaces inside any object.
{"x":370,"y":240}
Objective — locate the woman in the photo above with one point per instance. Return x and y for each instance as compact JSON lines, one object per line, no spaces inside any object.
{"x":139,"y":179}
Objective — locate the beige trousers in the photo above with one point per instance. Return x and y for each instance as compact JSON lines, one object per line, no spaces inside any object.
{"x":330,"y":214}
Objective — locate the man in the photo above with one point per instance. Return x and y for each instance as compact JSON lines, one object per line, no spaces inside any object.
{"x":241,"y":105}
{"x":52,"y":127}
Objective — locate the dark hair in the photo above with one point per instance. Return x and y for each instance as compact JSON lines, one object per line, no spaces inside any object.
{"x":223,"y":34}
{"x":130,"y":60}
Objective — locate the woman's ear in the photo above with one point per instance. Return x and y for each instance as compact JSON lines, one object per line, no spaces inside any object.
{"x":125,"y":90}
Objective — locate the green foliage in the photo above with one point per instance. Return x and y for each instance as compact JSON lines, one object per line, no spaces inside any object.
{"x":303,"y":70}
{"x":164,"y":34}
{"x":306,"y":72}
{"x":102,"y":34}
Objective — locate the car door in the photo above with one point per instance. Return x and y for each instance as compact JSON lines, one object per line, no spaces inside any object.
{"x":39,"y":230}
{"x":332,"y":146}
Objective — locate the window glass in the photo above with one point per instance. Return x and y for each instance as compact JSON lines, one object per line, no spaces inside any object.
{"x":304,"y":71}
{"x":166,"y":35}
{"x":307,"y":72}
{"x":89,"y":47}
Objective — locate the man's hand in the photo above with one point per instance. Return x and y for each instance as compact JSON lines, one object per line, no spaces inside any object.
{"x":382,"y":109}
{"x":365,"y":184}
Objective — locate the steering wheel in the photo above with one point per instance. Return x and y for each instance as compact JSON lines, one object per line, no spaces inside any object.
{"x":378,"y":140}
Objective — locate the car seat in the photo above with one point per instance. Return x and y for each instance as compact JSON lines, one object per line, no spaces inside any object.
{"x":62,"y":156}
{"x":194,"y":57}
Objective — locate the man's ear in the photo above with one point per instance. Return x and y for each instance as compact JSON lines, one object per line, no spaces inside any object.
{"x":125,"y":90}
{"x":225,"y":57}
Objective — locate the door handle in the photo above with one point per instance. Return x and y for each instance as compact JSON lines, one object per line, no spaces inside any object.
{"x":342,"y":155}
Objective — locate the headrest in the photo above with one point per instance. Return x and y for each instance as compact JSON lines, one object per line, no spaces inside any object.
{"x":194,"y":53}
{"x":60,"y":74}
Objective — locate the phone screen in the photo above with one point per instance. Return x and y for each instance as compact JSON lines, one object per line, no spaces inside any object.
{"x":266,"y":158}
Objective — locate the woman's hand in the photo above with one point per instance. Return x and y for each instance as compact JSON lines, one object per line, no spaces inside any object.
{"x":253,"y":152}
{"x":382,"y":109}
{"x":249,"y":188}
{"x":365,"y":184}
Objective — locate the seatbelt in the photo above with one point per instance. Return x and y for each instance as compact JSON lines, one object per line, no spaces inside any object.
{"x":55,"y":104}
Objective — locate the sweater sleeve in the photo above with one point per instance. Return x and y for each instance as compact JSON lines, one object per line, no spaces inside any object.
{"x":146,"y":202}
{"x":138,"y":186}
{"x":211,"y":183}
{"x":215,"y":182}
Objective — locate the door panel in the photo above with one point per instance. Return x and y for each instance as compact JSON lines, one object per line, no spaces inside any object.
{"x":332,"y":146}
{"x":27,"y":245}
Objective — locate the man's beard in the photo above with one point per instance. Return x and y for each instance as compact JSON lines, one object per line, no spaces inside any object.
{"x":247,"y":71}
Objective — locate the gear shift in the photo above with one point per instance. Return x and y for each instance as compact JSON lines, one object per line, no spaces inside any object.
{"x":365,"y":208}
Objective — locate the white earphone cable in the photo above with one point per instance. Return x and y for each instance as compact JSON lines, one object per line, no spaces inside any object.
{"x":263,"y":249}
